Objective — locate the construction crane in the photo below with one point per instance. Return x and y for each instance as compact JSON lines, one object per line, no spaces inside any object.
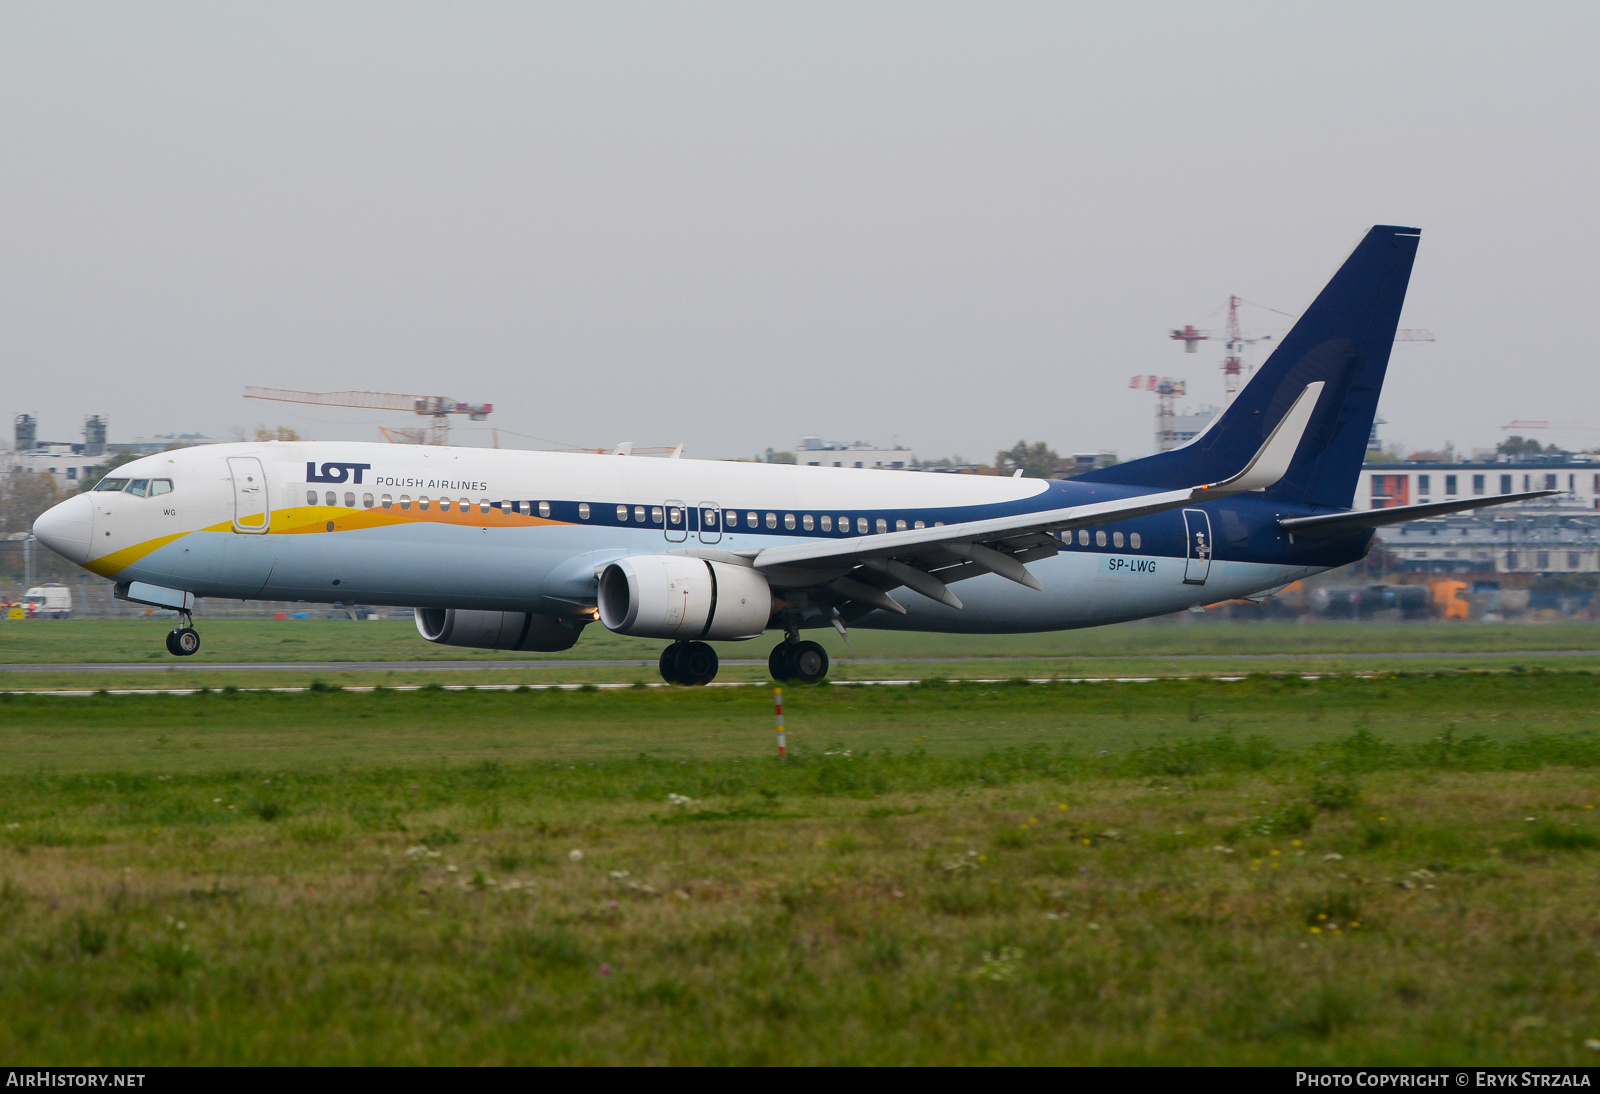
{"x":437,"y":407}
{"x":1236,"y":339}
{"x":1167,"y":390}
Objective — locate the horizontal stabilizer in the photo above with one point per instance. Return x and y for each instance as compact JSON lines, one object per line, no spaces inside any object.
{"x":1328,"y":525}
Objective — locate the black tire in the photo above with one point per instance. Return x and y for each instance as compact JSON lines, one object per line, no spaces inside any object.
{"x":778,"y":663}
{"x":669,"y":663}
{"x":697,"y":663}
{"x":172,"y":644}
{"x":186,"y":641}
{"x":808,"y":662}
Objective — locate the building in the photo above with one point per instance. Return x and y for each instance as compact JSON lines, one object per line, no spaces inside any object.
{"x":1186,"y":427}
{"x":1417,"y":483}
{"x":73,"y":462}
{"x":1557,"y":539}
{"x":816,"y":452}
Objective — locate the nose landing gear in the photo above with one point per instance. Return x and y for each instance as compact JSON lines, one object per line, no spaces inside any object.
{"x":800,"y":662}
{"x":689,"y":663}
{"x":185,"y":640}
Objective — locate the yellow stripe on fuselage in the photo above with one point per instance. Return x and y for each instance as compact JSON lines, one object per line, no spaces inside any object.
{"x":310,"y":520}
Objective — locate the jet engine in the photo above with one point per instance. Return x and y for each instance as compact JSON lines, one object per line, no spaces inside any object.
{"x":499,"y":630}
{"x":681,"y":597}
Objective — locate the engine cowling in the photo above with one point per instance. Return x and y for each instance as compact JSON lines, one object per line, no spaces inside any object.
{"x":499,"y":630}
{"x":679,"y":596}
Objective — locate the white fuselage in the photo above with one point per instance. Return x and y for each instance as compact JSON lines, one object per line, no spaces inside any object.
{"x":526,"y":531}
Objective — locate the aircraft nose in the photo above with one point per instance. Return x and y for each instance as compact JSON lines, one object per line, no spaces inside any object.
{"x":65,"y":528}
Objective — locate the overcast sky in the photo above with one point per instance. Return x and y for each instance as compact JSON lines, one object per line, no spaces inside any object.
{"x":726,"y":225}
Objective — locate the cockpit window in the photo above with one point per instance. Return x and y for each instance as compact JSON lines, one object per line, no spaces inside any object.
{"x":111,"y":484}
{"x":160,"y":486}
{"x":139,"y":487}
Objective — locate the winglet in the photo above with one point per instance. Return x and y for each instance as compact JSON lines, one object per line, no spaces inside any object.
{"x":1271,"y":461}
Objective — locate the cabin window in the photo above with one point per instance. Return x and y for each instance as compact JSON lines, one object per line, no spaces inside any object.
{"x":772,"y":520}
{"x":139,"y":487}
{"x":788,"y":521}
{"x":422,"y":503}
{"x":655,"y":514}
{"x":753,"y":520}
{"x":708,"y":518}
{"x":919,"y":524}
{"x":1116,"y":539}
{"x":899,"y":526}
{"x":405,"y":501}
{"x":444,"y":505}
{"x":1134,"y":541}
{"x":806,"y":522}
{"x":638,"y":513}
{"x":111,"y":484}
{"x":674,"y":515}
{"x":1099,"y":539}
{"x":1083,"y":537}
{"x":483,"y":505}
{"x":330,"y":498}
{"x":368,"y":501}
{"x":466,"y":505}
{"x":388,"y":501}
{"x":544,"y":509}
{"x":622,"y":513}
{"x":311,"y":497}
{"x":861,"y":525}
{"x":583,"y":510}
{"x":827,"y":523}
{"x":160,"y":486}
{"x":883,"y":526}
{"x":349,"y":500}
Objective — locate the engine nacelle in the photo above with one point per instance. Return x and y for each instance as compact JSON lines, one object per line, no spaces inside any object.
{"x":499,"y":630}
{"x":679,"y":596}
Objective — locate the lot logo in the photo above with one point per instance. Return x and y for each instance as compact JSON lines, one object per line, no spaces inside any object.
{"x":336,"y":472}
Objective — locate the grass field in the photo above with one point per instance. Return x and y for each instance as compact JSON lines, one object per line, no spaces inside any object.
{"x":1384,"y":869}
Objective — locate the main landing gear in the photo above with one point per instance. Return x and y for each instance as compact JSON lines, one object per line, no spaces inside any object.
{"x":689,"y":663}
{"x":800,"y":662}
{"x":185,"y":641}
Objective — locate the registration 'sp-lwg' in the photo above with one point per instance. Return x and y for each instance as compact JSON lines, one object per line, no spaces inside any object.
{"x":522,"y":550}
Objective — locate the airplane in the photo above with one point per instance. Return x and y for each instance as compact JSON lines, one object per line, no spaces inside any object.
{"x":510,"y":550}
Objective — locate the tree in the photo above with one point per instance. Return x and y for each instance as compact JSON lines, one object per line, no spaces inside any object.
{"x":1037,"y":461}
{"x":779,"y":457}
{"x":1523,"y":446}
{"x":22,"y":498}
{"x":281,"y":433}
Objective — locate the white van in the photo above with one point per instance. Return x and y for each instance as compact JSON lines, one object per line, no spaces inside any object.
{"x":49,"y":601}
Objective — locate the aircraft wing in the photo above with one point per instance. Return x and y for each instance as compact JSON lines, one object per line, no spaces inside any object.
{"x":858,"y":572}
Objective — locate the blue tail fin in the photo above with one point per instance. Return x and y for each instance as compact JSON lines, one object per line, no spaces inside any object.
{"x":1343,"y":339}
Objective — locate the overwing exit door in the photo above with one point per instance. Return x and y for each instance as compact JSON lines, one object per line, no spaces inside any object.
{"x":251,"y":512}
{"x":1197,"y":530}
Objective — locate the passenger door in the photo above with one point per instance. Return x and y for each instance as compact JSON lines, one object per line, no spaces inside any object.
{"x":251,"y":512}
{"x":676,"y":524}
{"x":1197,"y":531}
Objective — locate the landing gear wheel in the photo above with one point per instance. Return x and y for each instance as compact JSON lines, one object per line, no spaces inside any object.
{"x":669,"y":663}
{"x":801,"y":662}
{"x":689,"y":663}
{"x":183,"y":642}
{"x":808,"y":662}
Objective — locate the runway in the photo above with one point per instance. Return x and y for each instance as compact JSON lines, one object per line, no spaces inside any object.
{"x":464,"y":666}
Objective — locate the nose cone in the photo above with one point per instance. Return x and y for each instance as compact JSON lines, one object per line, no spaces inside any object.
{"x":65,"y":528}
